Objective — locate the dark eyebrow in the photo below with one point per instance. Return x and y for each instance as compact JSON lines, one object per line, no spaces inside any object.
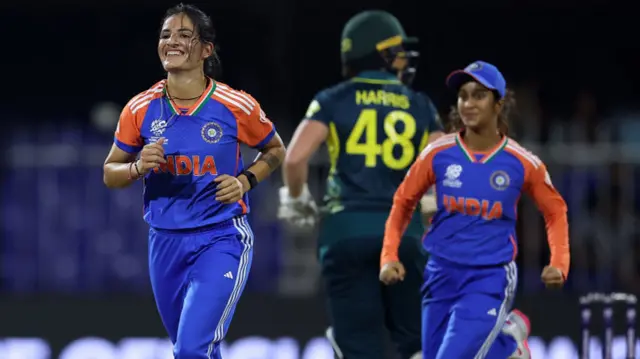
{"x":478,"y":88}
{"x":474,"y":90}
{"x":182,"y":29}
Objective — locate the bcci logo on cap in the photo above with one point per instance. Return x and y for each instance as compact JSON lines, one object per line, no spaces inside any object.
{"x":476,"y":66}
{"x":211,"y":132}
{"x":499,"y":180}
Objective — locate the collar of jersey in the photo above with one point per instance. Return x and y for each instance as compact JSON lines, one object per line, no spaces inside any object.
{"x":376,"y":77}
{"x":488,"y":156}
{"x":196,"y":107}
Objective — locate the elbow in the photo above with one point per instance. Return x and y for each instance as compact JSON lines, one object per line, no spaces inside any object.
{"x":404,"y":205}
{"x":558,"y":218}
{"x":274,"y":154}
{"x":110,"y":185}
{"x":107,"y":182}
{"x":280,"y":153}
{"x":107,"y":179}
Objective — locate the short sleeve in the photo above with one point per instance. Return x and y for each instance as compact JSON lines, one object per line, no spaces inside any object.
{"x":127,"y":136}
{"x":254,"y":127}
{"x":319,"y":109}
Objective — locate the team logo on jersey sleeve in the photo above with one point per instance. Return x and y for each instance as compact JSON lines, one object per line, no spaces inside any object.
{"x":314,"y":107}
{"x":499,"y":180}
{"x":211,"y":132}
{"x":451,"y":176}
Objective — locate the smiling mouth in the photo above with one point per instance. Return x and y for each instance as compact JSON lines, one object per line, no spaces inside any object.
{"x":174,"y":53}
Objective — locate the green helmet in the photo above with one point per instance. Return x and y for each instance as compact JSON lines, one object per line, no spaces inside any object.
{"x":371,"y":31}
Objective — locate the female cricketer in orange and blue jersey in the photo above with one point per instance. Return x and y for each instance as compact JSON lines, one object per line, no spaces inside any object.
{"x":200,"y":142}
{"x":479,"y":175}
{"x":187,"y":131}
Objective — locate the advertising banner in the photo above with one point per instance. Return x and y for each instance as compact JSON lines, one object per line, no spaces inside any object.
{"x":265,"y":327}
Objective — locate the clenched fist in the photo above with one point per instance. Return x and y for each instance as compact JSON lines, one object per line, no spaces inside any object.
{"x":229,"y":189}
{"x":392,"y":272}
{"x":151,"y":156}
{"x":552,"y":277}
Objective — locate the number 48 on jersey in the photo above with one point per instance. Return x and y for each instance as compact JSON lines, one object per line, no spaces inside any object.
{"x":363,"y":139}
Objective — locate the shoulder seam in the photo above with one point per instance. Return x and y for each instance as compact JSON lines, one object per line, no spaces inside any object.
{"x":445,"y":139}
{"x":236,"y":98}
{"x":530,"y":157}
{"x":143,"y":98}
{"x":440,"y":142}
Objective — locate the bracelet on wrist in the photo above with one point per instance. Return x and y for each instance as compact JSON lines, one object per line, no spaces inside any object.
{"x":129,"y":171}
{"x":135,"y":164}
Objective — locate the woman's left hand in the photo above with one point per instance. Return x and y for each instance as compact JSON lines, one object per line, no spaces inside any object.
{"x":229,"y":189}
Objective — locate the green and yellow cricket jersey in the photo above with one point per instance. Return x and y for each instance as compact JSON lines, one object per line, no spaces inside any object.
{"x":377,"y":128}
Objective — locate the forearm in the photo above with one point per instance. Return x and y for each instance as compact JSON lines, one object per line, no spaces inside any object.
{"x":119,"y":175}
{"x":305,"y":142}
{"x":419,"y":178}
{"x":558,"y":238}
{"x":267,"y":161}
{"x":396,"y":225}
{"x":295,"y":176}
{"x":554,"y":210}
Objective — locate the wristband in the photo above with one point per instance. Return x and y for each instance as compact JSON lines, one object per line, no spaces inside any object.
{"x":253,"y":181}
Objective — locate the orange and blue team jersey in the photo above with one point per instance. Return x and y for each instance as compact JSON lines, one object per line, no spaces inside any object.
{"x":477,"y":196}
{"x":201,"y":143}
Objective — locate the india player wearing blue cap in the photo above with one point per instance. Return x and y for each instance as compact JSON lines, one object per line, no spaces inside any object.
{"x":471,"y":277}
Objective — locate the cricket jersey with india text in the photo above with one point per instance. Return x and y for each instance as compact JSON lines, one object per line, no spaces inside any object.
{"x":200,"y":250}
{"x":471,"y":276}
{"x":202,"y":142}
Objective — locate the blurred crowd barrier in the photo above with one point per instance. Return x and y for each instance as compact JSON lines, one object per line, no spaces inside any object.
{"x":63,"y":231}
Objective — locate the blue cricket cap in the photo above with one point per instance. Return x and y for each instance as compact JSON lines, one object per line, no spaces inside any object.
{"x":483,"y":72}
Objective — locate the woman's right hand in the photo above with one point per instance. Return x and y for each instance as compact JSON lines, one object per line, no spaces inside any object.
{"x":151,"y":156}
{"x":392,"y":273}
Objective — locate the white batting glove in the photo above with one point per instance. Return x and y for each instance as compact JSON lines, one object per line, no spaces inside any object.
{"x":300,"y":212}
{"x":428,"y":205}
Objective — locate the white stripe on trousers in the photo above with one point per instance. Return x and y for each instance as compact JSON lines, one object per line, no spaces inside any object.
{"x":246,"y":238}
{"x":512,"y":281}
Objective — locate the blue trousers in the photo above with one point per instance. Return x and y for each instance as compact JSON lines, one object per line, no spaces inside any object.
{"x":197,"y":278}
{"x":464,"y":309}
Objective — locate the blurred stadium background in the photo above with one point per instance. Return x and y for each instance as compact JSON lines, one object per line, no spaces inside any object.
{"x":73,"y":265}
